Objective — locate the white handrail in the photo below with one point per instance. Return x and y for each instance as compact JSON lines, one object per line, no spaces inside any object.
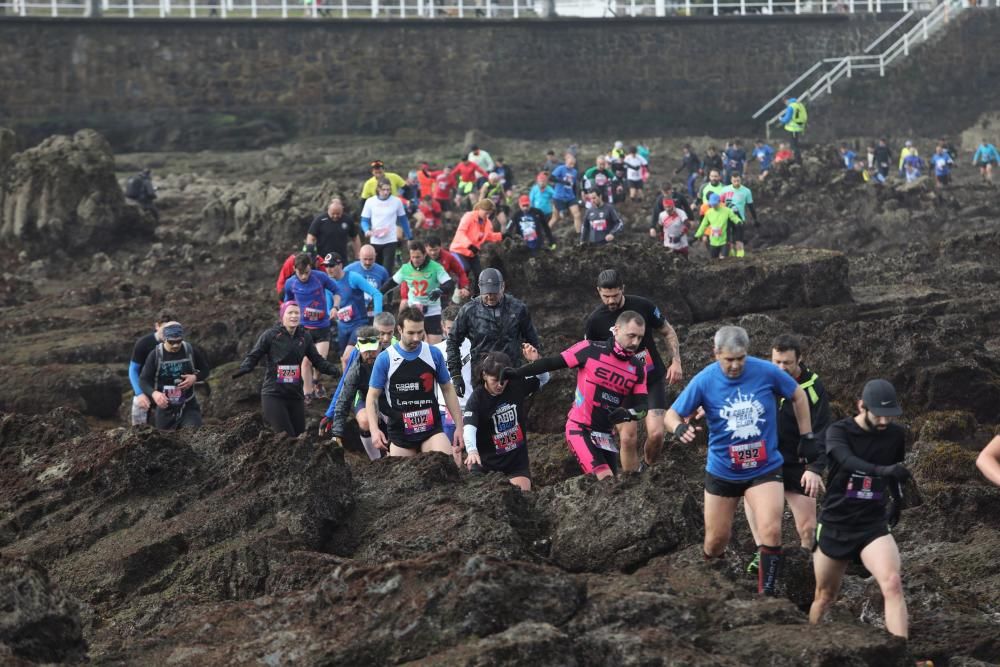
{"x":885,"y":34}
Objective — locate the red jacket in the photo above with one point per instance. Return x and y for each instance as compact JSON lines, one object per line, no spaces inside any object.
{"x":426,"y":180}
{"x":467,"y":171}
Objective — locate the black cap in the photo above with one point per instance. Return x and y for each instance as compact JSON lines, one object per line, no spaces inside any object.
{"x":880,"y":399}
{"x":332,"y":259}
{"x":490,"y":281}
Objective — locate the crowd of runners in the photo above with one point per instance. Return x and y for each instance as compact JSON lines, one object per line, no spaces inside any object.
{"x":451,"y":366}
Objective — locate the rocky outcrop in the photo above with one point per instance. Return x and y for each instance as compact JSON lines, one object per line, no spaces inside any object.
{"x":62,"y":196}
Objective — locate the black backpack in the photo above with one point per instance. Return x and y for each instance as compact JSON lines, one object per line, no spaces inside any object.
{"x":133,"y":187}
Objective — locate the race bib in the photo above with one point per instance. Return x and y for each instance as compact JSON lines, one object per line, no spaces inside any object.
{"x":674,"y":240}
{"x":605,"y":441}
{"x":313,"y":314}
{"x":864,"y":487}
{"x":715,"y":231}
{"x":418,"y":421}
{"x":747,"y":455}
{"x":599,"y":225}
{"x":175,"y":396}
{"x":345,"y":314}
{"x":288,"y":374}
{"x":531,"y":236}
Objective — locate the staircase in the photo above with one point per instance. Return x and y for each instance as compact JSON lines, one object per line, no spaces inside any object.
{"x":818,"y":80}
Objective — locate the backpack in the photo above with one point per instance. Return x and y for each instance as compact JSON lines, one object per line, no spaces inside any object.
{"x":133,"y":187}
{"x":799,"y":113}
{"x":188,"y":352}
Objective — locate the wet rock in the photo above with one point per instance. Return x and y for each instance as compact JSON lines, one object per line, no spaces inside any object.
{"x":8,"y":146}
{"x":62,"y":194}
{"x":259,"y":212}
{"x":39,"y":622}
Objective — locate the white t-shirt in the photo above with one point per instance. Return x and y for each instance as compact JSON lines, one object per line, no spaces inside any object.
{"x":484,"y":160}
{"x":633,"y":167}
{"x":466,"y":351}
{"x":674,"y":236}
{"x":383,"y":215}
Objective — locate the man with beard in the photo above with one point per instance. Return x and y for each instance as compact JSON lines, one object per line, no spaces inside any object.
{"x":348,"y":397}
{"x":610,"y":390}
{"x":865,"y":455}
{"x":403,"y":387}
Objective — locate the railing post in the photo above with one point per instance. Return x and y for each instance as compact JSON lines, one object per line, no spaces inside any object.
{"x":869,"y":6}
{"x":374,"y":8}
{"x":517,"y":13}
{"x":631,"y":8}
{"x":402,"y":9}
{"x":193,"y":9}
{"x":881,"y":65}
{"x":253,"y":9}
{"x":55,"y":7}
{"x":925,"y":28}
{"x":131,"y":8}
{"x":848,"y":68}
{"x":343,"y":9}
{"x":461,"y":9}
{"x":489,"y":9}
{"x":906,"y":44}
{"x":223,"y":8}
{"x":824,"y":7}
{"x":715,"y":7}
{"x":878,"y":6}
{"x":798,"y":9}
{"x":687,"y":7}
{"x":743,"y":7}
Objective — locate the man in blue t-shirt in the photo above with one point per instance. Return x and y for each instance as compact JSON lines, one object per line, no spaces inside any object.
{"x":942,"y":163}
{"x":764,"y":154}
{"x":738,"y":396}
{"x":375,"y":274}
{"x":403,"y":388}
{"x":565,"y":178}
{"x":349,"y":304}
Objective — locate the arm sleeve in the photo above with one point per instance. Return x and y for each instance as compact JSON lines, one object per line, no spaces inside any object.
{"x":203,"y":370}
{"x":403,"y":222}
{"x":318,"y":360}
{"x":260,"y":348}
{"x":753,"y":211}
{"x":619,"y":223}
{"x":543,"y":365}
{"x":147,"y":379}
{"x":455,"y":266}
{"x":341,"y":405}
{"x":441,"y":373}
{"x":380,"y":372}
{"x":358,"y":282}
{"x":822,"y":417}
{"x":134,"y":368}
{"x":470,"y":433}
{"x":839,"y":450}
{"x":340,"y":384}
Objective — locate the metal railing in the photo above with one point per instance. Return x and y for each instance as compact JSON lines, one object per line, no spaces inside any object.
{"x":414,"y":9}
{"x":839,"y":68}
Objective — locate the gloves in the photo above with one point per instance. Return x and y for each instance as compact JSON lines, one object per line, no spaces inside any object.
{"x":474,"y":250}
{"x":620,"y":416}
{"x":808,"y":450}
{"x":325,"y":426}
{"x":459,"y":384}
{"x":240,"y":373}
{"x":509,"y":374}
{"x":309,"y":248}
{"x":896,"y":471}
{"x":434,"y":295}
{"x":681,"y":429}
{"x":892,"y":516}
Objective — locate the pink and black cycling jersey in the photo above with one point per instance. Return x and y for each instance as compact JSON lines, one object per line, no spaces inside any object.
{"x":604,"y":382}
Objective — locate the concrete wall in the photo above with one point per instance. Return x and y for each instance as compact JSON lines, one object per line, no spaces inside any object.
{"x":150,"y":84}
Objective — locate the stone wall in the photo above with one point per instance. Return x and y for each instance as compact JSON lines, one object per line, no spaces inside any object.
{"x":151,"y":84}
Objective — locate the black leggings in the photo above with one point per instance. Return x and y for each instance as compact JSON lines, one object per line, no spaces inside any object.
{"x":387,"y":257}
{"x":284,"y":414}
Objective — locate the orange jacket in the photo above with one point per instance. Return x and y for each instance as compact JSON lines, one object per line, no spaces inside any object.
{"x":426,"y":180}
{"x":473,"y":232}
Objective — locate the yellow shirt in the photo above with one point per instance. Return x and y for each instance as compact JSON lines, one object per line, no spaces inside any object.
{"x":396,"y":180}
{"x":905,"y":153}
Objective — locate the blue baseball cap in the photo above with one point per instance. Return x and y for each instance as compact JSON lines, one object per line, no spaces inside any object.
{"x":713,"y":199}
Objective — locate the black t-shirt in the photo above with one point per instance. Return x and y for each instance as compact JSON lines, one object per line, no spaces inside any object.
{"x":499,"y":420}
{"x":820,"y":417}
{"x":143,"y":347}
{"x":856,"y":499}
{"x":333,"y":236}
{"x":600,"y":322}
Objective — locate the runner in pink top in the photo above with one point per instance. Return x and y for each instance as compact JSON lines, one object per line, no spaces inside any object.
{"x":610,"y":389}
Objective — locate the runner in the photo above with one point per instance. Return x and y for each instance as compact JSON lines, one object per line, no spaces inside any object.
{"x":738,"y":394}
{"x":374,"y":274}
{"x":447,"y":321}
{"x":288,"y":269}
{"x":506,"y":177}
{"x":634,"y":164}
{"x":692,"y":165}
{"x":450,"y":263}
{"x":715,"y":225}
{"x":599,"y":177}
{"x":308,"y":288}
{"x":332,"y":232}
{"x":541,"y":195}
{"x":168,"y":377}
{"x":349,"y":396}
{"x":735,"y":159}
{"x":794,"y":119}
{"x":493,"y":321}
{"x":143,"y":346}
{"x":527,"y":223}
{"x":566,"y":179}
{"x":474,"y":229}
{"x":425,"y":281}
{"x":370,"y":188}
{"x":610,"y":390}
{"x":493,"y":190}
{"x":284,"y":346}
{"x":803,"y":481}
{"x":379,"y":218}
{"x":430,"y":214}
{"x":712,"y":161}
{"x":601,"y":222}
{"x":739,"y":198}
{"x":712,"y":186}
{"x":764,"y":155}
{"x":496,"y":438}
{"x":988,"y":460}
{"x":865,"y":455}
{"x":427,"y":178}
{"x":942,"y":164}
{"x":481,"y":158}
{"x":599,"y":327}
{"x":402,"y":388}
{"x":445,"y":192}
{"x":466,"y":174}
{"x":667,"y":191}
{"x":673,"y":226}
{"x":348,"y":302}
{"x":986,"y":158}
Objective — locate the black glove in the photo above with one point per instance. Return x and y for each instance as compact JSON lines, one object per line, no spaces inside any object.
{"x":509,"y":374}
{"x":474,"y":250}
{"x":476,"y":469}
{"x":681,"y":429}
{"x":434,"y":295}
{"x":896,"y":471}
{"x":620,"y":416}
{"x":808,"y":450}
{"x":459,"y":384}
{"x":892,"y":516}
{"x":309,"y":249}
{"x":240,"y":373}
{"x":325,"y":426}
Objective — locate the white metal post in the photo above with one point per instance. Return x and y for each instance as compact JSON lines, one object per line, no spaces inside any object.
{"x":850,"y":6}
{"x":715,"y":7}
{"x":770,"y":6}
{"x":131,"y":8}
{"x":516,"y":9}
{"x":253,"y":9}
{"x":823,"y":7}
{"x":687,"y":7}
{"x":848,"y":67}
{"x":193,"y":9}
{"x":461,"y":9}
{"x":223,"y":7}
{"x":343,"y":8}
{"x":743,"y":7}
{"x":55,"y":7}
{"x":925,"y":28}
{"x":374,"y":8}
{"x":798,"y":9}
{"x":878,"y":6}
{"x":906,"y":44}
{"x":489,"y":9}
{"x":881,"y":65}
{"x":631,"y":8}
